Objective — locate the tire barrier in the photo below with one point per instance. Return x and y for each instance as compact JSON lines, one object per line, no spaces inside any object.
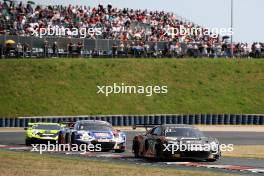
{"x":129,"y":120}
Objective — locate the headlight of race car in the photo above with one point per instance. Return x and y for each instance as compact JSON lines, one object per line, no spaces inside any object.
{"x":120,"y":136}
{"x":85,"y":136}
{"x":35,"y":132}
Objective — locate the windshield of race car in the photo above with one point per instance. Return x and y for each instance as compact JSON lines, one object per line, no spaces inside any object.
{"x":46,"y":127}
{"x":183,"y":132}
{"x":94,"y":126}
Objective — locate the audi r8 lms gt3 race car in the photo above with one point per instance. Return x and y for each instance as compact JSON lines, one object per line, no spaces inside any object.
{"x":94,"y":132}
{"x":42,"y":132}
{"x":175,"y":142}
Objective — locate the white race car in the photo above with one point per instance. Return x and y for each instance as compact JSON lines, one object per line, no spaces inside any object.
{"x":94,"y":132}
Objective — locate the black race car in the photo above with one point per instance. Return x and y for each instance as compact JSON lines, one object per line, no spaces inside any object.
{"x":175,"y":142}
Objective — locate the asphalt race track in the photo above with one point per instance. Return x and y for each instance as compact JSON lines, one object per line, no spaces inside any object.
{"x":226,"y":165}
{"x":241,"y":138}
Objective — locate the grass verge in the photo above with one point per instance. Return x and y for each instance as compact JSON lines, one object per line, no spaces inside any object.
{"x":28,"y":164}
{"x":69,"y":86}
{"x":246,"y":151}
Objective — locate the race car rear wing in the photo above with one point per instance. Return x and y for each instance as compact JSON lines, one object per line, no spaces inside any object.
{"x":146,"y":126}
{"x":68,"y":124}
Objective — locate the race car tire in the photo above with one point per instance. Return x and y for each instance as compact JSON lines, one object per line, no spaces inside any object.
{"x":216,"y":157}
{"x":211,"y":160}
{"x":146,"y":145}
{"x":119,"y":151}
{"x":159,"y":154}
{"x":73,"y":139}
{"x":135,"y":148}
{"x":106,"y":150}
{"x":61,"y":140}
{"x":66,"y":139}
{"x":28,"y":142}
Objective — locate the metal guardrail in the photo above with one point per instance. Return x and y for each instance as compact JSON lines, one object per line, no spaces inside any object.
{"x":129,"y":120}
{"x":62,"y":42}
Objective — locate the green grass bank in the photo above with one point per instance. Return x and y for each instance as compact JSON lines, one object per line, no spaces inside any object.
{"x":69,"y":86}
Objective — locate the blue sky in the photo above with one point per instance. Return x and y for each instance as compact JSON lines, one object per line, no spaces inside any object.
{"x":248,"y":23}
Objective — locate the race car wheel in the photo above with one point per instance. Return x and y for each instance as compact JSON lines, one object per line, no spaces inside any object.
{"x":68,"y":139}
{"x":159,"y":151}
{"x":216,"y":157}
{"x":61,"y":140}
{"x":146,"y":145}
{"x":119,"y":151}
{"x":73,"y":139}
{"x":135,"y":148}
{"x":28,"y":142}
{"x":211,"y":160}
{"x":105,"y":150}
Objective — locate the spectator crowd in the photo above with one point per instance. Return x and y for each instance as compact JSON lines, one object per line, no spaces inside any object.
{"x":141,"y":26}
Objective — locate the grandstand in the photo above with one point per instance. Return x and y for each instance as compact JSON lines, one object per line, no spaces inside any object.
{"x":123,"y":33}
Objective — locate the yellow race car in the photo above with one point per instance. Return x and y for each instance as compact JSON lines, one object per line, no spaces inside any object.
{"x":42,"y":132}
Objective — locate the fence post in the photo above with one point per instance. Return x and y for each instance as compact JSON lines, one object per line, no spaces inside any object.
{"x":180,"y":118}
{"x":169,"y":119}
{"x":186,"y":119}
{"x":7,"y":122}
{"x":197,"y":119}
{"x":157,"y":120}
{"x":203,"y":119}
{"x":152,"y":119}
{"x":209,"y":119}
{"x":256,"y":120}
{"x":227,"y":119}
{"x":12,"y":122}
{"x":214,"y":119}
{"x":2,"y":122}
{"x":130,"y":120}
{"x":221,"y":119}
{"x":232,"y":119}
{"x":244,"y":119}
{"x":238,"y":119}
{"x":109,"y":120}
{"x":121,"y":120}
{"x":174,"y":119}
{"x":261,"y":120}
{"x":250,"y":120}
{"x":125,"y":121}
{"x":17,"y":122}
{"x":146,"y":119}
{"x":23,"y":122}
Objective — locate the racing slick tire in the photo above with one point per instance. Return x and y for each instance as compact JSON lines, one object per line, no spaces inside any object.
{"x":28,"y":142}
{"x":159,"y":151}
{"x":119,"y":151}
{"x":135,"y":148}
{"x":106,"y":150}
{"x":216,"y":157}
{"x":61,"y":139}
{"x":211,"y":160}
